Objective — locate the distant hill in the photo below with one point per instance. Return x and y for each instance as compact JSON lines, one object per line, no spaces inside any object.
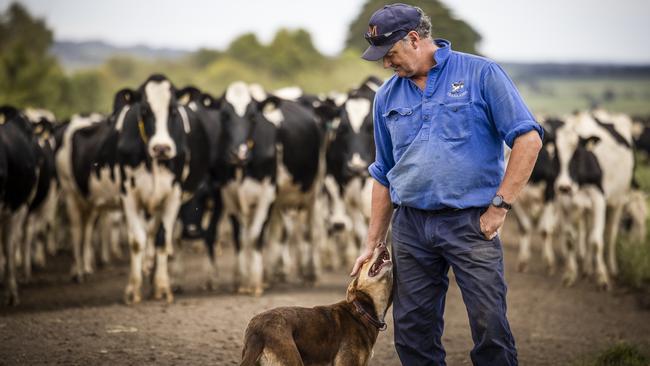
{"x":533,"y":71}
{"x":86,"y":54}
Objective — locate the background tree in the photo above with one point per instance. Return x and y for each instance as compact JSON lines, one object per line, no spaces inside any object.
{"x":28,"y":74}
{"x":292,"y":51}
{"x":444,"y":25}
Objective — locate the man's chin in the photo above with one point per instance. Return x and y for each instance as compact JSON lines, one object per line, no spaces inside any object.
{"x":402,"y":74}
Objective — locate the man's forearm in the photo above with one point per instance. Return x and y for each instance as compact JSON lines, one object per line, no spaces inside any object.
{"x":521,"y":163}
{"x":380,"y":214}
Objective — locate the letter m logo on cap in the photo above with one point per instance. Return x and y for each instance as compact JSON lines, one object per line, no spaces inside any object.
{"x":372,"y":31}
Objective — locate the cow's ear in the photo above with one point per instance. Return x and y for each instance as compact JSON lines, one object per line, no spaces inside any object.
{"x":127,"y":96}
{"x":590,"y":142}
{"x":271,"y":102}
{"x":209,"y":101}
{"x":327,"y":111}
{"x":184,"y":96}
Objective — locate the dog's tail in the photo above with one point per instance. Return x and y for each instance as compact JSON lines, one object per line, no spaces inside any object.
{"x":253,"y":347}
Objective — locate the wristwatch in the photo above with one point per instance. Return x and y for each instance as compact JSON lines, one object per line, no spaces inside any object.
{"x":499,"y":202}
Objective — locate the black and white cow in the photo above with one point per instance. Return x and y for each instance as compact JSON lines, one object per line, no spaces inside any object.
{"x":350,"y":151}
{"x":18,"y":181}
{"x":39,"y":226}
{"x":271,"y":156}
{"x":200,"y":216}
{"x":162,"y":151}
{"x":596,"y":171}
{"x":89,"y":179}
{"x":535,"y":209}
{"x":641,"y":135}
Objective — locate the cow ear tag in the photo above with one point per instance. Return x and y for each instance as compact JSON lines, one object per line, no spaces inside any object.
{"x":143,"y":134}
{"x":185,"y":99}
{"x":591,"y":143}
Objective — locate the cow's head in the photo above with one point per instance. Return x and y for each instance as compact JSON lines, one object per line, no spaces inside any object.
{"x":578,"y":163}
{"x":247,"y":115}
{"x":42,"y":121}
{"x":189,"y":94}
{"x":353,"y":148}
{"x":547,"y":166}
{"x":158,"y":117}
{"x":11,"y":116}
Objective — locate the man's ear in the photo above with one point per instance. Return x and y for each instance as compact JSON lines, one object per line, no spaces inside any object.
{"x":414,"y":39}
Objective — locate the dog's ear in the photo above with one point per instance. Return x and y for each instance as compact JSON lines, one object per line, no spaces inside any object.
{"x":351,"y":293}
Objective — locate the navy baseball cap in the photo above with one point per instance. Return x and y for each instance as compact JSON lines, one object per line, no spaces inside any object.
{"x":387,"y":26}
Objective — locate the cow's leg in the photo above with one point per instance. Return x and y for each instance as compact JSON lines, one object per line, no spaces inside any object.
{"x":237,"y":234}
{"x":169,"y":215}
{"x":596,"y":238}
{"x":137,"y":237}
{"x":211,"y":239}
{"x":256,"y":238}
{"x":318,"y":235}
{"x":149,"y":259}
{"x":613,"y":223}
{"x":39,"y":249}
{"x":547,"y":224}
{"x":88,"y":252}
{"x":569,"y":238}
{"x":360,"y":231}
{"x":75,"y":215}
{"x":11,"y":288}
{"x":525,"y":227}
{"x":585,"y":250}
{"x":29,"y":229}
{"x":114,"y":223}
{"x":104,"y":226}
{"x":310,"y":261}
{"x":277,"y":266}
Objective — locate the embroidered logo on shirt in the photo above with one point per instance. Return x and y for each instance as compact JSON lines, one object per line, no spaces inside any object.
{"x":457,"y":89}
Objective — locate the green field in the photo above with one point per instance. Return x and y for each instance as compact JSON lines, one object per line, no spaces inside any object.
{"x":558,"y":96}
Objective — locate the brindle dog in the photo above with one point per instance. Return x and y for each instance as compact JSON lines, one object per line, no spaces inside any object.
{"x":340,"y":334}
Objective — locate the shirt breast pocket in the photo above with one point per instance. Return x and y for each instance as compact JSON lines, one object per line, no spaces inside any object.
{"x":453,"y":120}
{"x":401,"y":126}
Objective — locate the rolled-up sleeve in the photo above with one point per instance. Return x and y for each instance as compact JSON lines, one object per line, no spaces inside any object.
{"x":506,"y":108}
{"x":384,"y":147}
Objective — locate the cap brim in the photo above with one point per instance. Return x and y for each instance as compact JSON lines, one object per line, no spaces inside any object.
{"x":374,"y":53}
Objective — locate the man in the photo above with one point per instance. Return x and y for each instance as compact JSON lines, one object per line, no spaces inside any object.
{"x":440,"y":123}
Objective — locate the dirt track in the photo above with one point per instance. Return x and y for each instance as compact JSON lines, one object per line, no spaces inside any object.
{"x":63,"y":323}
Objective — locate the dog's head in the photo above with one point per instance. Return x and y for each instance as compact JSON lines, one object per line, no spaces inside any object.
{"x":374,"y":283}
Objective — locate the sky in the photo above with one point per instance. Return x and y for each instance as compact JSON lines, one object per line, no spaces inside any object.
{"x":601,"y":31}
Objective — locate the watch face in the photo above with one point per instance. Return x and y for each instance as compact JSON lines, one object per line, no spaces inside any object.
{"x":497,"y":201}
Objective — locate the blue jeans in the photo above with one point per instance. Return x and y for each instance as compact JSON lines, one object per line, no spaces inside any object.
{"x":425,"y":245}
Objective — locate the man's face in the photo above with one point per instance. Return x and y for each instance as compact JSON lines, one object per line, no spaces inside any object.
{"x":402,"y":59}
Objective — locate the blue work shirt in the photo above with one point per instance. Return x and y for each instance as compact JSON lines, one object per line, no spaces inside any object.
{"x":443,"y":146}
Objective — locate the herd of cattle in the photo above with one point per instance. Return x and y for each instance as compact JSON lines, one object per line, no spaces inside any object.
{"x":284,"y":173}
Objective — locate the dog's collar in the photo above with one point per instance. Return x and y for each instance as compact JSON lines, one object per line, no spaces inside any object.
{"x":380,"y":325}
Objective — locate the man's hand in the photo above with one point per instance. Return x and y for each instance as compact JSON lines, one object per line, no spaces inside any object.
{"x":492,"y":220}
{"x":367,"y":254}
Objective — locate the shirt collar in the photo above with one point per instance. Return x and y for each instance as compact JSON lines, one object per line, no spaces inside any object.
{"x":442,"y":53}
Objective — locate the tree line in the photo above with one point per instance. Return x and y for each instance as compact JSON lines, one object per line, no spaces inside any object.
{"x":30,"y":76}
